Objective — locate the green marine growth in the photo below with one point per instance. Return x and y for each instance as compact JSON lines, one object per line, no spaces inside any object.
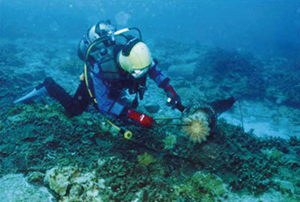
{"x":146,"y":159}
{"x":25,"y":114}
{"x":273,"y":153}
{"x":170,"y":141}
{"x":203,"y":187}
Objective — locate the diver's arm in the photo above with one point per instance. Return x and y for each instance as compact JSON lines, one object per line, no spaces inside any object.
{"x":156,"y":75}
{"x":118,"y":110}
{"x":163,"y":82}
{"x":114,"y":107}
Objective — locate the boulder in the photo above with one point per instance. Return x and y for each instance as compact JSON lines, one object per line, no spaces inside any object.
{"x":14,"y":188}
{"x":152,"y":107}
{"x":184,"y":70}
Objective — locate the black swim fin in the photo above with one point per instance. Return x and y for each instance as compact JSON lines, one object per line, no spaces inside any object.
{"x":221,"y":106}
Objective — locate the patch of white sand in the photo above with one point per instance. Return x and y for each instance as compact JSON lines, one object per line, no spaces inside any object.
{"x":266,"y":197}
{"x":265,"y":119}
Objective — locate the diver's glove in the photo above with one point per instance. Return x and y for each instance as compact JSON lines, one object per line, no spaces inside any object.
{"x":173,"y":98}
{"x":142,"y":119}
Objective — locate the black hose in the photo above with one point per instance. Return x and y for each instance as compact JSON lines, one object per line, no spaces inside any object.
{"x":139,"y":31}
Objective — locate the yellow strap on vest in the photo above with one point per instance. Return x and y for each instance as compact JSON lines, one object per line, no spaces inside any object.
{"x":85,"y":68}
{"x":87,"y":83}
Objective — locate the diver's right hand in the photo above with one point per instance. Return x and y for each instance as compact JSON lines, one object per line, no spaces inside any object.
{"x":142,"y":119}
{"x":173,"y":98}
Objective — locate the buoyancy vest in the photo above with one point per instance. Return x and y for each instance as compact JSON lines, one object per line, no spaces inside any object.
{"x":110,"y":72}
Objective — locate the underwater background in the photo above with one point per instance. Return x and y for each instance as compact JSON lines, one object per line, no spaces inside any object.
{"x":210,"y":49}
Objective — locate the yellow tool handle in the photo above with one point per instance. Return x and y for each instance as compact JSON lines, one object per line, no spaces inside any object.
{"x":127,"y":133}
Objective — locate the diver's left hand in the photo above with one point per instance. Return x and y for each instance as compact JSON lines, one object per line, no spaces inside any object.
{"x":173,"y":97}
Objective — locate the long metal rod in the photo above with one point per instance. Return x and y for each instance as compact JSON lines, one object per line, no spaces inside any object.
{"x":172,"y":124}
{"x":167,"y":118}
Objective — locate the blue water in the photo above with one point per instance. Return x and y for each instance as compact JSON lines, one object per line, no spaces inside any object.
{"x":269,"y":26}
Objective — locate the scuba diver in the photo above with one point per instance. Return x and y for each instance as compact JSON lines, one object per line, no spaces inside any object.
{"x":114,"y":61}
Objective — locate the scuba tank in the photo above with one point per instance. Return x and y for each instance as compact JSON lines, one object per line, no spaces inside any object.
{"x":99,"y":45}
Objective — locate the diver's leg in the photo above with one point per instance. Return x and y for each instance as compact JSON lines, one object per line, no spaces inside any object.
{"x":80,"y":100}
{"x":56,"y":91}
{"x":74,"y":105}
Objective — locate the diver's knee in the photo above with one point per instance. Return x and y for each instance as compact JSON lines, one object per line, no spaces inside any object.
{"x":49,"y":81}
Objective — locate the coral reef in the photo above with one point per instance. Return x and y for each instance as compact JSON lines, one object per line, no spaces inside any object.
{"x":282,"y":77}
{"x":227,"y":152}
{"x":160,"y":163}
{"x":234,"y":72}
{"x":44,"y":128}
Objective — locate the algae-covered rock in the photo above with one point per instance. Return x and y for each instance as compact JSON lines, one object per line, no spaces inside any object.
{"x":72,"y":184}
{"x":210,"y":183}
{"x":36,"y":178}
{"x":58,"y":179}
{"x":202,"y":186}
{"x":14,"y":188}
{"x":152,"y":107}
